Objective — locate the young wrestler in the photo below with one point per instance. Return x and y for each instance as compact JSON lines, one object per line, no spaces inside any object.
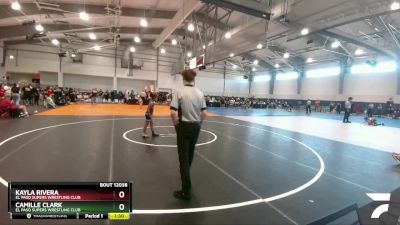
{"x":149,"y":116}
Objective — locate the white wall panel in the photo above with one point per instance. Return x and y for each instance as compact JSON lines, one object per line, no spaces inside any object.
{"x":30,"y":65}
{"x":21,"y":77}
{"x":87,"y":82}
{"x":210,"y":86}
{"x":370,"y":87}
{"x":100,"y":60}
{"x":238,"y":87}
{"x":260,"y":89}
{"x":286,"y":89}
{"x":324,"y":88}
{"x":166,"y":81}
{"x":47,"y":78}
{"x":131,"y":84}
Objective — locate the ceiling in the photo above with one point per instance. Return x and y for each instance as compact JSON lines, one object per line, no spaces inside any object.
{"x":369,"y":25}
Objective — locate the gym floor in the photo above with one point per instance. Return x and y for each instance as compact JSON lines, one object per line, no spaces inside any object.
{"x":248,"y":169}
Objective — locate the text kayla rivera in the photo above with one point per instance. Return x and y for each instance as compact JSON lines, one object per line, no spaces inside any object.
{"x":43,"y":195}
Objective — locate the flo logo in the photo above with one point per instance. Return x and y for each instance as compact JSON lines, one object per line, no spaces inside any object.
{"x":380,"y":197}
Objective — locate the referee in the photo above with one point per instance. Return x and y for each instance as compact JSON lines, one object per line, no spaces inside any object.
{"x":188,"y":111}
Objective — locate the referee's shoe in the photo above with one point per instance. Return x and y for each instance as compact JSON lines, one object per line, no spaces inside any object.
{"x":182,"y":195}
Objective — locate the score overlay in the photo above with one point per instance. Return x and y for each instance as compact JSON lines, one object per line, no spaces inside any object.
{"x":70,"y":200}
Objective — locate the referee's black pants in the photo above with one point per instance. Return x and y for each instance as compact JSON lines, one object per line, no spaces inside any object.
{"x":369,"y":113}
{"x":308,"y":109}
{"x":187,"y":135}
{"x":346,"y":115}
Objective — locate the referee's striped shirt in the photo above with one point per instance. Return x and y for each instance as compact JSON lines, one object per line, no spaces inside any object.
{"x":189,"y":101}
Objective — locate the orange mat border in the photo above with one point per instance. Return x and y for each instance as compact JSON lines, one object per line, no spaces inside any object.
{"x":107,"y":110}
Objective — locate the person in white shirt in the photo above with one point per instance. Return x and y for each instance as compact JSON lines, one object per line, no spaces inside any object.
{"x":188,"y":111}
{"x":347,"y":110}
{"x":308,"y":107}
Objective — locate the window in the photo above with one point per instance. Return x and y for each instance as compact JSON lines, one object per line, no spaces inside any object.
{"x":287,"y":76}
{"x":325,"y":72}
{"x":383,"y":67}
{"x":261,"y":78}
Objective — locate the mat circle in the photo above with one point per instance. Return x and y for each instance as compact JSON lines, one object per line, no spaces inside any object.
{"x":207,"y":208}
{"x":166,"y":146}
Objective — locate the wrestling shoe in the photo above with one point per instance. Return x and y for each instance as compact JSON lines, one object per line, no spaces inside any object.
{"x":182,"y":195}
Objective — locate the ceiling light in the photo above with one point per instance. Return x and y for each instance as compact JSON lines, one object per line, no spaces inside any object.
{"x":234,"y":67}
{"x":204,"y":46}
{"x":255,"y":62}
{"x":254,"y":69}
{"x":132,"y":49}
{"x":92,"y":36}
{"x":55,"y":42}
{"x":286,"y":55}
{"x":359,"y":52}
{"x":97,"y":48}
{"x":73,"y":55}
{"x":277,"y":65}
{"x":395,"y":6}
{"x":162,"y":51}
{"x":11,"y":57}
{"x":137,"y":39}
{"x":335,"y":44}
{"x":189,"y":54}
{"x":259,"y":46}
{"x":84,"y":16}
{"x":190,"y":27}
{"x":228,"y":35}
{"x":231,"y":55}
{"x":174,"y":42}
{"x":15,"y":5}
{"x":143,"y":22}
{"x":305,"y":31}
{"x":39,"y":27}
{"x":310,"y":60}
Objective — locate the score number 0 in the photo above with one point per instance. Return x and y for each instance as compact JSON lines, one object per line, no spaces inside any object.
{"x":121,"y":194}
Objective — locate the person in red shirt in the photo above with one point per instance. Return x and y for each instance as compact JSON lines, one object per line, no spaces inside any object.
{"x":50,"y":91}
{"x":6,"y":105}
{"x":149,"y":116}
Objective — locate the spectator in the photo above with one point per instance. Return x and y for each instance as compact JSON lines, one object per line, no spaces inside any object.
{"x":7,"y":106}
{"x":370,"y":110}
{"x":380,"y":110}
{"x":318,"y":105}
{"x":50,"y":91}
{"x":331,"y":107}
{"x":35,"y":95}
{"x":15,"y":95}
{"x":28,"y":94}
{"x":308,"y":107}
{"x":347,"y":110}
{"x":49,"y":102}
{"x":93,"y":96}
{"x":106,"y":95}
{"x":338,"y":108}
{"x":120,"y":97}
{"x":389,"y":107}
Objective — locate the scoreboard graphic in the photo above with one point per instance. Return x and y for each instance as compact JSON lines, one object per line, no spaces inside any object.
{"x":70,"y":200}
